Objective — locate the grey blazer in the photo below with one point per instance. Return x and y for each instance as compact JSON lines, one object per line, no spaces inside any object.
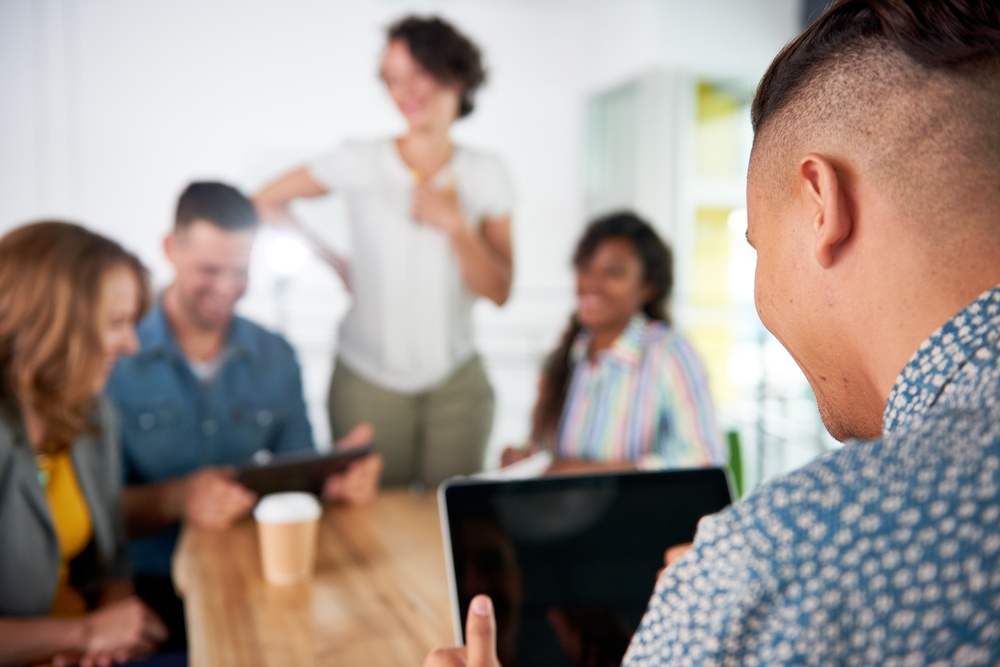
{"x":29,"y":549}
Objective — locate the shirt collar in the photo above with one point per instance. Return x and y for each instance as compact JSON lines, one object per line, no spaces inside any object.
{"x":627,"y":348}
{"x":157,"y":336}
{"x":972,"y":332}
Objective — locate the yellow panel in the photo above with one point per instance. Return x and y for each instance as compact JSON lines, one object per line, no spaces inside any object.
{"x":710,"y":289}
{"x":717,"y":139}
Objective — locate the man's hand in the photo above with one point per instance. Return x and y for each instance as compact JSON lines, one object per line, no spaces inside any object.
{"x":672,"y":555}
{"x":213,"y":499}
{"x":481,"y":640}
{"x":358,"y":485}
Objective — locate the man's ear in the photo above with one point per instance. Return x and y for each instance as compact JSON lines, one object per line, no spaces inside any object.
{"x":825,"y":196}
{"x":170,"y":246}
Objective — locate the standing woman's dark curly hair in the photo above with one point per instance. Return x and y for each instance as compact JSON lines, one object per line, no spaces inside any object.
{"x":658,"y":271}
{"x":445,"y":53}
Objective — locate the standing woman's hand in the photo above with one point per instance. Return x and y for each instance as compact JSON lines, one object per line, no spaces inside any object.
{"x":484,"y":253}
{"x":438,"y":207}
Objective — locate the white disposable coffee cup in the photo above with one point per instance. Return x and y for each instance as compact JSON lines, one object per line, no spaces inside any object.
{"x":287,"y":525}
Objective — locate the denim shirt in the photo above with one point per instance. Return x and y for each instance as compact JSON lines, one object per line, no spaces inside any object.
{"x":173,"y":424}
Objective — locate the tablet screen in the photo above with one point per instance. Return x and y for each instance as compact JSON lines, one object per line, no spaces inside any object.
{"x":570,"y":562}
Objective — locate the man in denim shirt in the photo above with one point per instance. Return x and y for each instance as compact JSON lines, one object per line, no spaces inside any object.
{"x":207,"y":390}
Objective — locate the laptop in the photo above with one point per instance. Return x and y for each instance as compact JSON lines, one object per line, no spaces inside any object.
{"x":570,"y":560}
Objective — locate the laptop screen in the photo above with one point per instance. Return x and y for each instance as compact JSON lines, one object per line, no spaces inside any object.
{"x":570,"y":561}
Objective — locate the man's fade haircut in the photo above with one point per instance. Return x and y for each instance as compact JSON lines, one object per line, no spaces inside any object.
{"x":914,"y":83}
{"x":950,"y":35}
{"x":218,"y":203}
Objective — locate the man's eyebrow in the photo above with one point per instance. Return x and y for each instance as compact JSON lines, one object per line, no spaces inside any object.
{"x":746,"y":234}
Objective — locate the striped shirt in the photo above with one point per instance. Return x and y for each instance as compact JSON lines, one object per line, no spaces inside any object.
{"x":645,"y":399}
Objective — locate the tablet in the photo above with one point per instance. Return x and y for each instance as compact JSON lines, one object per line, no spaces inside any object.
{"x":304,"y":470}
{"x":570,"y":561}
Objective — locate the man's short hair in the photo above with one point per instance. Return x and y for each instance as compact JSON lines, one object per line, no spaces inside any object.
{"x":955,"y":35}
{"x":910,"y":88}
{"x":220,"y":204}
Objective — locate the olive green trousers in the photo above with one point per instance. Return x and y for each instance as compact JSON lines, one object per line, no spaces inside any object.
{"x":426,"y":437}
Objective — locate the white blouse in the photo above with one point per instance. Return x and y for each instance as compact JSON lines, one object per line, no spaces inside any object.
{"x":410,"y":326}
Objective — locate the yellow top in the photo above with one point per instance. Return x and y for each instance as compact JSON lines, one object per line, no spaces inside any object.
{"x":71,"y":518}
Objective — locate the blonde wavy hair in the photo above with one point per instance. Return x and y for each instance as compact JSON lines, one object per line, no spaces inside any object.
{"x":51,"y":353}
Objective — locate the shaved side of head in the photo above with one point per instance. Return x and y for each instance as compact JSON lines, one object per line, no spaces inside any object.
{"x":907,"y":92}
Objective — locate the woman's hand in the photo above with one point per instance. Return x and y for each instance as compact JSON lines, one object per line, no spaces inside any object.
{"x":438,"y":207}
{"x":484,"y":253}
{"x":512,"y":455}
{"x":117,"y":632}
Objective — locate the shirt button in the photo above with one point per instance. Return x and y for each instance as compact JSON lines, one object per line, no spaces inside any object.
{"x":264,"y":418}
{"x":209,"y":427}
{"x":147,"y":420}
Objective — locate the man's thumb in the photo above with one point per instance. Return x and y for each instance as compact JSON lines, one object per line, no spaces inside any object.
{"x":481,"y":633}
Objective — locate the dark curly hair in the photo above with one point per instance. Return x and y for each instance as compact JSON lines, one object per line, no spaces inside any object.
{"x":445,"y":53}
{"x":657,"y":270}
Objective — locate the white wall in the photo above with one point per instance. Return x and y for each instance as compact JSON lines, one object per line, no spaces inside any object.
{"x":109,"y":107}
{"x":719,"y":38}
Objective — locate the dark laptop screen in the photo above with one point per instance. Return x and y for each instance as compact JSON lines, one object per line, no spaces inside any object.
{"x":570,"y":561}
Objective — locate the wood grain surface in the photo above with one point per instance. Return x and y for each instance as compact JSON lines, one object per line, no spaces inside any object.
{"x":379,"y":596}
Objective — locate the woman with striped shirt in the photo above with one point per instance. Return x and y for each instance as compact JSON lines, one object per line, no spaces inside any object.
{"x":624,"y":389}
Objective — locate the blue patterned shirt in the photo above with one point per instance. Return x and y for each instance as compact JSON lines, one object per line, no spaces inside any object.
{"x":886,"y":552}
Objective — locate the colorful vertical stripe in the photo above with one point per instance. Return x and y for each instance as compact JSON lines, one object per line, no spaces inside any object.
{"x":645,"y":399}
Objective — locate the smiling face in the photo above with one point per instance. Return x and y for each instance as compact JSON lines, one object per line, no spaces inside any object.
{"x":424,"y":101}
{"x":809,"y":308}
{"x":211,"y":265}
{"x":117,"y":312}
{"x":611,"y":286}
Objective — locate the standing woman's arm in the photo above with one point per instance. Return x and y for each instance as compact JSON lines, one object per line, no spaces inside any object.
{"x":487,"y":258}
{"x":485,"y":255}
{"x":272,"y":203}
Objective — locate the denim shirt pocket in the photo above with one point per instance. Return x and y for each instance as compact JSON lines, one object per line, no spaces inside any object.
{"x":153,"y":437}
{"x":255,"y":423}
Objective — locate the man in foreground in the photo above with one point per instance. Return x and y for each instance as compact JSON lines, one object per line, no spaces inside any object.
{"x":207,"y":391}
{"x":874,"y":207}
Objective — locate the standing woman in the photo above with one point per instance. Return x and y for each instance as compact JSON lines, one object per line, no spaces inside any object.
{"x":69,"y":300}
{"x":431,"y":227}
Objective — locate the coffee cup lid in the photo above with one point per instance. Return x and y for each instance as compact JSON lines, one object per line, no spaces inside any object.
{"x":287,"y":508}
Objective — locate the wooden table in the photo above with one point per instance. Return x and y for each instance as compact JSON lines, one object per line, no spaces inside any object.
{"x":379,"y":596}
